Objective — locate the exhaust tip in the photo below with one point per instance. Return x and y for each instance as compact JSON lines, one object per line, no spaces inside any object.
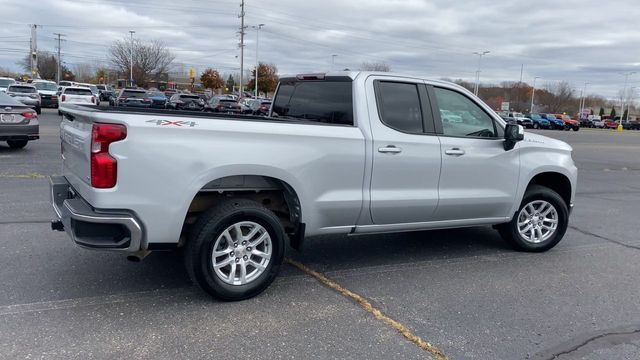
{"x":57,"y":225}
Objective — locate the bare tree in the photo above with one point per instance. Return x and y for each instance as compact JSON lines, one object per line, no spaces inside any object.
{"x":84,"y":72}
{"x":375,"y":66}
{"x":150,"y":60}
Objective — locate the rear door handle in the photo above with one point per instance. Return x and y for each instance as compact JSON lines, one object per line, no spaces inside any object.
{"x":454,"y":152}
{"x":390,"y":149}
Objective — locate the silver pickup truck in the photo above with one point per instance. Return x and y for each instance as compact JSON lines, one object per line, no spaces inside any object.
{"x":341,"y":153}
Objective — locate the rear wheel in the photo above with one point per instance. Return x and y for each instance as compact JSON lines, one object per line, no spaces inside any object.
{"x":38,"y":110}
{"x":17,"y":144}
{"x":576,"y":128}
{"x":540,"y":222}
{"x":59,"y":113}
{"x":235,"y":249}
{"x":535,"y":126}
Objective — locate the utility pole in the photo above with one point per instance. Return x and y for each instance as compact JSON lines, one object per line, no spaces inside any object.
{"x":59,"y":59}
{"x":480,"y":55}
{"x":519,"y":88}
{"x":131,"y":58}
{"x":533,"y":92}
{"x":34,"y":52}
{"x":242,"y":27}
{"x":257,"y":64}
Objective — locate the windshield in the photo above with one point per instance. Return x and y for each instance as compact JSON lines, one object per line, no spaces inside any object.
{"x":189,"y":97}
{"x":551,"y":117}
{"x":134,"y":94}
{"x":157,"y":94}
{"x":5,"y":82}
{"x":22,"y":89}
{"x":94,"y":89}
{"x":535,"y":117}
{"x":46,"y":86}
{"x":77,"y":91}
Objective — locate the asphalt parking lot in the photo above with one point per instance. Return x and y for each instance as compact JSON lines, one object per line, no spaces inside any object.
{"x":463,"y":291}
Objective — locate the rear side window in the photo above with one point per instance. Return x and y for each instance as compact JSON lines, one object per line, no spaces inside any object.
{"x":134,"y":94}
{"x":322,"y":101}
{"x":399,"y":106}
{"x":70,"y":91}
{"x":189,"y":97}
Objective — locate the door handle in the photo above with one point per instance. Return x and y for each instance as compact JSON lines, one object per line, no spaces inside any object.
{"x":454,"y":152}
{"x":390,"y":149}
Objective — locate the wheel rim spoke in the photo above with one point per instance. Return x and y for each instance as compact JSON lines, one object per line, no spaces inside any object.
{"x":239,"y":259}
{"x":537,"y":221}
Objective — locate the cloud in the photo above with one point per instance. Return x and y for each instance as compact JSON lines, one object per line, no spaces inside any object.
{"x":576,"y":41}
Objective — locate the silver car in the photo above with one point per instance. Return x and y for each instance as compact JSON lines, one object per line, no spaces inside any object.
{"x":26,"y":94}
{"x":18,"y":122}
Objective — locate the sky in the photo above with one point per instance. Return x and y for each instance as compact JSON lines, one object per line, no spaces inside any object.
{"x":590,"y":41}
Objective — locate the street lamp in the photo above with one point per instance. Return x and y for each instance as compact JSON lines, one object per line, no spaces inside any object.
{"x":630,"y":98}
{"x":582,"y":99}
{"x":333,"y":61}
{"x":624,"y":95}
{"x":480,"y":55}
{"x":257,"y":40}
{"x":131,"y":59}
{"x":533,"y":92}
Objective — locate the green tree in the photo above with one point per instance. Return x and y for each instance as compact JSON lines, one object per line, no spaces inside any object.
{"x":625,"y":114}
{"x":601,"y":113}
{"x":613,"y":112}
{"x":230,"y":84}
{"x":591,"y":112}
{"x":211,"y":79}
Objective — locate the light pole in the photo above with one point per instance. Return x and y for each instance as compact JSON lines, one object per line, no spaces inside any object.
{"x":629,"y":98}
{"x":257,"y":40}
{"x":480,"y":55}
{"x":131,"y":59}
{"x":624,"y":95}
{"x":333,"y":61}
{"x":582,"y":98}
{"x":533,"y":93}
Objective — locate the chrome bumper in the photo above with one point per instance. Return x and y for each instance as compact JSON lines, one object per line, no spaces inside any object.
{"x":92,"y":228}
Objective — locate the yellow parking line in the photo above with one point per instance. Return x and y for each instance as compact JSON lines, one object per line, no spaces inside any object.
{"x":366,"y":305}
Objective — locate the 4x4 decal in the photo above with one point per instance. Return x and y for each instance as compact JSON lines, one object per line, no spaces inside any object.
{"x":174,"y":123}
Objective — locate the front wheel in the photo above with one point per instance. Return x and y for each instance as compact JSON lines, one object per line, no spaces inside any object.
{"x":540,"y":222}
{"x":235,"y":249}
{"x":576,"y":128}
{"x":535,"y":126}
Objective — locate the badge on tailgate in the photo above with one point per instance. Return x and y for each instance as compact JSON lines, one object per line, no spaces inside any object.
{"x":173,"y":123}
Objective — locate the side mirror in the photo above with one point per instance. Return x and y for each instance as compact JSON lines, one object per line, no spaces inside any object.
{"x":512,"y":134}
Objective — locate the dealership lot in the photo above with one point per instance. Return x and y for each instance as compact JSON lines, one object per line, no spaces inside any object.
{"x":464,"y":290}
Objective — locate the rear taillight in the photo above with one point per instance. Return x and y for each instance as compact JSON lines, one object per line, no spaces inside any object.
{"x":63,"y":98}
{"x":93,"y":99}
{"x":104,"y":168}
{"x":29,"y":115}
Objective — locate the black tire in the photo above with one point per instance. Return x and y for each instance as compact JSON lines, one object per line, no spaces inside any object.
{"x":535,"y":126}
{"x":509,"y":231}
{"x":17,"y":144}
{"x":38,"y":110}
{"x":199,"y":248}
{"x":576,"y":128}
{"x":59,"y":113}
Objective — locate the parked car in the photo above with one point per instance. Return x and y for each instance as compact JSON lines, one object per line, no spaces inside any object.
{"x":569,"y":123}
{"x":631,"y":124}
{"x":224,"y":105}
{"x":346,"y":155}
{"x":94,"y":90}
{"x":67,"y":83}
{"x":133,"y":98}
{"x":170,"y":92}
{"x":589,"y":121}
{"x":186,"y":102}
{"x":5,"y":82}
{"x":256,"y":106}
{"x":106,"y":93}
{"x":520,"y":119}
{"x":538,"y":122}
{"x":609,"y":123}
{"x":48,"y":93}
{"x":555,"y":123}
{"x":158,"y":99}
{"x":18,"y":122}
{"x":76,"y":95}
{"x":26,"y":94}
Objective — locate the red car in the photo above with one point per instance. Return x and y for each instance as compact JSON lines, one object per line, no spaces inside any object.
{"x":569,"y":123}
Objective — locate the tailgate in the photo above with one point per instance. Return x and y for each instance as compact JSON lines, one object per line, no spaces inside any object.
{"x":76,"y":147}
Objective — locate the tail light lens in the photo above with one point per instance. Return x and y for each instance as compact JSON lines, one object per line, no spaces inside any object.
{"x":63,"y":98}
{"x":104,"y":168}
{"x":93,"y":99}
{"x":29,"y":115}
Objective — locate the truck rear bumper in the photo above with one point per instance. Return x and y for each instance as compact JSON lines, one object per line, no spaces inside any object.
{"x":116,"y":230}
